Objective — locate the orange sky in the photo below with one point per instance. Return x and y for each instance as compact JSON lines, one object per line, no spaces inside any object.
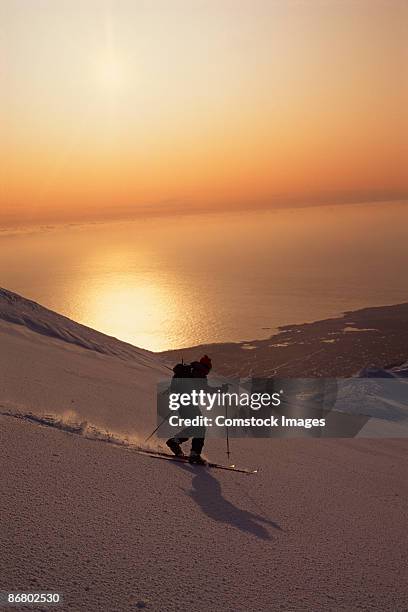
{"x":113,"y":108}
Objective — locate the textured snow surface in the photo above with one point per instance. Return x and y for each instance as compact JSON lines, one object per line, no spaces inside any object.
{"x":321,"y":527}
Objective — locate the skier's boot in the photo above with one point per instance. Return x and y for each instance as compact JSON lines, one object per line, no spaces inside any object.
{"x":196,"y":458}
{"x":175,"y":447}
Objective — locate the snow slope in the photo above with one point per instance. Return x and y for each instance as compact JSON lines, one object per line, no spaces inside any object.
{"x":52,"y":365}
{"x":17,"y":309}
{"x":321,"y":527}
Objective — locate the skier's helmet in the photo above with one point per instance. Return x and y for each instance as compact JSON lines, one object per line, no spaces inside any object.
{"x":206,"y":361}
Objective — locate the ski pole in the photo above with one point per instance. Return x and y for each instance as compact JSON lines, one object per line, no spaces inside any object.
{"x":226,"y":416}
{"x":158,"y":427}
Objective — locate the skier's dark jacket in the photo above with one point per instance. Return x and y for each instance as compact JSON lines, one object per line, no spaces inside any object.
{"x":196,"y":381}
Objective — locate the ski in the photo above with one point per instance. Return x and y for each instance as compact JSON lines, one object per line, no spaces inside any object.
{"x":209,"y":464}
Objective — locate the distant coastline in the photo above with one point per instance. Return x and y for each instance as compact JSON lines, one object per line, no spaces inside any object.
{"x":375,"y":336}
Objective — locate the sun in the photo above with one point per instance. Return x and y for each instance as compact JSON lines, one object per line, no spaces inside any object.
{"x":110,"y":73}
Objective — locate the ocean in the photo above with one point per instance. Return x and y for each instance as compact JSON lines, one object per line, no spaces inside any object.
{"x":170,"y":282}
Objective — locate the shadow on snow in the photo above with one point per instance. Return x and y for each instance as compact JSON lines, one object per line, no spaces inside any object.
{"x":207,"y":494}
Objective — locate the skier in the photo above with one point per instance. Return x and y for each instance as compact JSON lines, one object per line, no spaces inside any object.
{"x":199,"y":370}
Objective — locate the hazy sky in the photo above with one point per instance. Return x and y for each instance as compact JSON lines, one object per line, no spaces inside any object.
{"x":111,"y":106}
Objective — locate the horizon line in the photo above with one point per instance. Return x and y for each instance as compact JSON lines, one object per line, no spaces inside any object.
{"x":132,"y":213}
